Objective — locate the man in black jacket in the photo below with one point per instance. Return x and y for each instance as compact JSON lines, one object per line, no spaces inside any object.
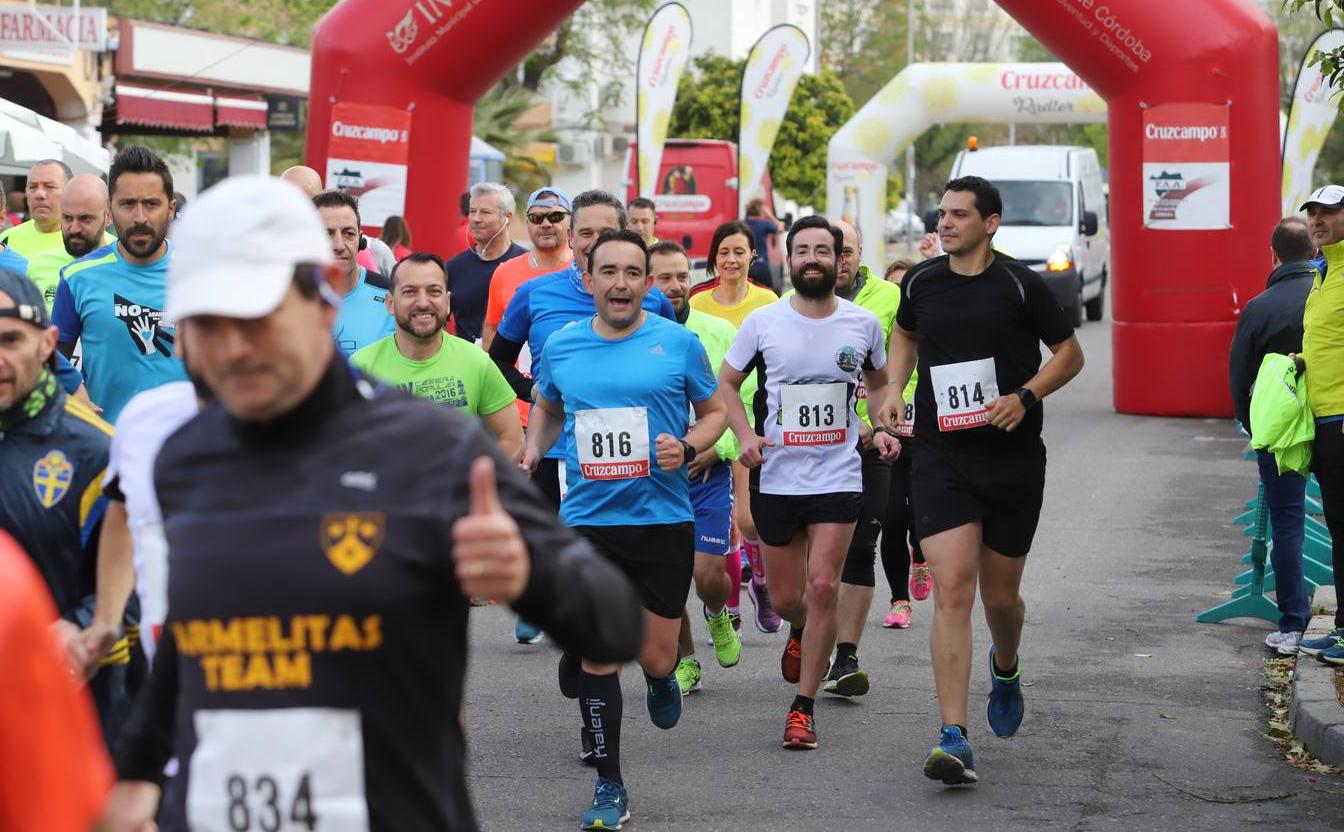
{"x":1272,"y":323}
{"x":325,"y":536}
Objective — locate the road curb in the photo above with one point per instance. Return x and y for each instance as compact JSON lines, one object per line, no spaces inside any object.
{"x":1314,"y":713}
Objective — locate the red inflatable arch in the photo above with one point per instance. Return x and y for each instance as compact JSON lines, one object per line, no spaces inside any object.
{"x":435,"y":58}
{"x":1175,"y":294}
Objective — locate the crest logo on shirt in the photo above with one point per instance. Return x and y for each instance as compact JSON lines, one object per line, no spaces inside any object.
{"x":403,"y":34}
{"x":351,"y":540}
{"x":52,"y":475}
{"x":148,"y":328}
{"x":847,"y":359}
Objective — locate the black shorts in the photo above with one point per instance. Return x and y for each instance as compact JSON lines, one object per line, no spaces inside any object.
{"x":546,"y":477}
{"x":779,"y":517}
{"x":1003,"y":492}
{"x":658,"y":560}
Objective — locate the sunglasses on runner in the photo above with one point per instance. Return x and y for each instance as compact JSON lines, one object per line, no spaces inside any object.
{"x":554,"y":217}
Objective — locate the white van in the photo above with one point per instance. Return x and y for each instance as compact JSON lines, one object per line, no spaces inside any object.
{"x":1054,"y":218}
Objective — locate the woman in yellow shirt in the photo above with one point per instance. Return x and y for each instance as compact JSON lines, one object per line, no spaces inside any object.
{"x":728,"y":294}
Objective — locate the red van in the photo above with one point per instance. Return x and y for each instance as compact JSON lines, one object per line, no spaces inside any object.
{"x":696,"y":192}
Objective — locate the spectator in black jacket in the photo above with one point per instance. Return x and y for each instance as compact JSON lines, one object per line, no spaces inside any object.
{"x":325,"y":535}
{"x":1272,"y":323}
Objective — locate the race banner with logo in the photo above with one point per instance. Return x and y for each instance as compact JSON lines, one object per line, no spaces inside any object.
{"x":772,"y":71}
{"x":663,"y":57}
{"x":1186,"y":170}
{"x":1309,"y":121}
{"x":370,"y":148}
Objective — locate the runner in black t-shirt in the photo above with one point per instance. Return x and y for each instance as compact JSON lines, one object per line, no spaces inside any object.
{"x":974,"y":320}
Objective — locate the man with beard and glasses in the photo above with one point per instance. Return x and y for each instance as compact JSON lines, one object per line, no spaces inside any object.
{"x":112,"y":299}
{"x":809,"y":352}
{"x":419,"y":358}
{"x":973,"y":321}
{"x":622,"y":385}
{"x":38,"y":239}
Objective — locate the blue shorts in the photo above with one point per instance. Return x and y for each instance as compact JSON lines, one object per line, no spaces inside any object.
{"x":713,"y":505}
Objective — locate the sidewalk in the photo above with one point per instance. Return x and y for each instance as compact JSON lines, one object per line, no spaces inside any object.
{"x":1315,"y":714}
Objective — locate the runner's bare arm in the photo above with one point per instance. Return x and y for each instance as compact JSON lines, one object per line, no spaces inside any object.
{"x":1006,"y":412}
{"x":115,"y":581}
{"x":507,"y":430}
{"x":902,"y":356}
{"x":751,"y":454}
{"x":711,"y":420}
{"x":488,"y":332}
{"x":543,"y":429}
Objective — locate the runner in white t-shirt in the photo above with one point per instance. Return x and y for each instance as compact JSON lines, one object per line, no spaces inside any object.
{"x":809,"y":352}
{"x":143,"y":425}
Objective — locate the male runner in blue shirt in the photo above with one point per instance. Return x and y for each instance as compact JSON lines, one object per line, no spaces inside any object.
{"x":112,"y":298}
{"x":363,"y":318}
{"x":623,"y":383}
{"x":540,"y":308}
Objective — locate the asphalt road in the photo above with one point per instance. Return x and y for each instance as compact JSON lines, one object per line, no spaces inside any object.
{"x":1137,"y":718}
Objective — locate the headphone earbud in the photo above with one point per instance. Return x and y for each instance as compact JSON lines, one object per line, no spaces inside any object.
{"x":363,"y":242}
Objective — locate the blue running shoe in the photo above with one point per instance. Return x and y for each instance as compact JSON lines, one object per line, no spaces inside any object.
{"x":1334,"y":656}
{"x":1314,"y":646}
{"x":526,"y":633}
{"x":951,"y":760}
{"x":1004,"y":709}
{"x":664,"y":700}
{"x":611,"y":805}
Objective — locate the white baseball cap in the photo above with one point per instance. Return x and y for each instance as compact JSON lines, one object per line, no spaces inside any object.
{"x":235,"y":251}
{"x":1330,"y":196}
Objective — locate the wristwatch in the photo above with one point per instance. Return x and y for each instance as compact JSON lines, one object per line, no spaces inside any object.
{"x":690,"y":451}
{"x":1028,"y":398}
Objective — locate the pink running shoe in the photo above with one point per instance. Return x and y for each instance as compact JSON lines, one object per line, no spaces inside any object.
{"x":921,"y":581}
{"x":899,"y":617}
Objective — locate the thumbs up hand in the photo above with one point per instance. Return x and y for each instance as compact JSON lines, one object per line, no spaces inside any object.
{"x":488,"y":551}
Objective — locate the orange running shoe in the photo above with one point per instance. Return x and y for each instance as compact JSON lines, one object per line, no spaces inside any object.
{"x":799,"y":731}
{"x":791,"y":663}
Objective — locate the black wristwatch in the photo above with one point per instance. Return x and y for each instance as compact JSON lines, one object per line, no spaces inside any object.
{"x":691,"y":452}
{"x":1028,"y":398}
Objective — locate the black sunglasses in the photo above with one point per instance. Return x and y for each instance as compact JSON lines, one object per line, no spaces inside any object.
{"x":554,"y":217}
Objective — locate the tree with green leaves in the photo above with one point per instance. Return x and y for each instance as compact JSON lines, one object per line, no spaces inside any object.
{"x":1331,"y":13}
{"x":496,"y":119}
{"x":708,"y":106}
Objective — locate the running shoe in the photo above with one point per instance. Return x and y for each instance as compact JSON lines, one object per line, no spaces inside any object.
{"x":688,"y":675}
{"x":664,"y":700}
{"x":611,"y":806}
{"x":735,"y":615}
{"x":1313,"y":646}
{"x":791,"y":662}
{"x":1005,"y":707}
{"x":921,"y":581}
{"x":525,"y":633}
{"x":568,"y":673}
{"x":767,"y":620}
{"x":899,"y":617}
{"x":799,"y":731}
{"x":1334,"y":656}
{"x":846,"y":678}
{"x":727,"y":643}
{"x":1285,"y":644}
{"x":952,"y":760}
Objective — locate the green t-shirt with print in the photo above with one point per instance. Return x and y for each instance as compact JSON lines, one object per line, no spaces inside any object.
{"x":460,"y":374}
